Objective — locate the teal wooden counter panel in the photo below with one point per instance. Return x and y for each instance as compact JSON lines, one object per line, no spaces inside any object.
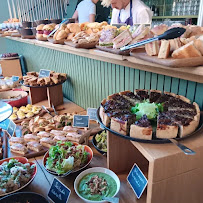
{"x":92,"y":80}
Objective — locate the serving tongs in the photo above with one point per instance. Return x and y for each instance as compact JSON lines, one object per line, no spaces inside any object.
{"x":47,"y":110}
{"x":169,"y":34}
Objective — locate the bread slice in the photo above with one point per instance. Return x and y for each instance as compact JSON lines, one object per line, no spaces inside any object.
{"x":152,"y":48}
{"x":175,"y":44}
{"x":164,"y":50}
{"x":186,"y":51}
{"x":34,"y":146}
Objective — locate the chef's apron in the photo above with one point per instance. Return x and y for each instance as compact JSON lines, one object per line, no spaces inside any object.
{"x":128,"y":21}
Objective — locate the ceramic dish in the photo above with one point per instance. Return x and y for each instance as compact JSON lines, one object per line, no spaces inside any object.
{"x":96,"y":170}
{"x":94,"y":142}
{"x":24,"y":197}
{"x":22,"y":160}
{"x":90,"y":156}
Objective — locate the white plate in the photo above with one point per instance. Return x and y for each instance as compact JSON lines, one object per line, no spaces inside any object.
{"x":93,"y":170}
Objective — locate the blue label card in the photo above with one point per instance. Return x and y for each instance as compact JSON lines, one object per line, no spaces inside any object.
{"x":11,"y":128}
{"x":58,"y":192}
{"x":4,"y":124}
{"x":137,"y":180}
{"x":81,"y":121}
{"x":44,"y":73}
{"x":15,"y":78}
{"x":92,"y":113}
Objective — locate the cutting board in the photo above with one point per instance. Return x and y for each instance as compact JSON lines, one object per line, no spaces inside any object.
{"x":170,"y":62}
{"x":84,"y":46}
{"x":52,"y":40}
{"x":113,"y":51}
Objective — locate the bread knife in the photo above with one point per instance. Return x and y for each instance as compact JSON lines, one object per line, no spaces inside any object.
{"x":169,"y":34}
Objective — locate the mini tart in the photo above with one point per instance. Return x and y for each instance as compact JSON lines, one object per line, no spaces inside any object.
{"x":29,"y":107}
{"x":35,"y":112}
{"x":15,"y":109}
{"x":21,"y":116}
{"x":29,"y":115}
{"x":23,"y":109}
{"x":13,"y":117}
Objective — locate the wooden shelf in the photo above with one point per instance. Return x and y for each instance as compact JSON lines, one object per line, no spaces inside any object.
{"x":187,"y":73}
{"x":172,"y":17}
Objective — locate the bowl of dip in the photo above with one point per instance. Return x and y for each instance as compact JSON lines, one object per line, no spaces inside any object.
{"x":95,"y":183}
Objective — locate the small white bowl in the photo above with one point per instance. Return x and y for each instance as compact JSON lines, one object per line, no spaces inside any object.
{"x":93,"y":170}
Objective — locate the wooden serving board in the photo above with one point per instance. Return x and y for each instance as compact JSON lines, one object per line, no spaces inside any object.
{"x":15,"y":35}
{"x":41,"y":39}
{"x":171,"y":62}
{"x":83,"y":46}
{"x":50,"y":39}
{"x":28,"y":36}
{"x":113,"y":51}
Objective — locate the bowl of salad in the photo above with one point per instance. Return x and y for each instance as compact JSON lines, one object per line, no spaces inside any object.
{"x":15,"y":174}
{"x":99,"y":141}
{"x":67,"y":156}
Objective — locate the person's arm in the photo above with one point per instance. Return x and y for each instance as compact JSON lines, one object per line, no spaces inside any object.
{"x":75,"y":15}
{"x":92,"y":18}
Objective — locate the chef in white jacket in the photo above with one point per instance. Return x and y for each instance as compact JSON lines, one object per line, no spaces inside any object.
{"x":129,"y":11}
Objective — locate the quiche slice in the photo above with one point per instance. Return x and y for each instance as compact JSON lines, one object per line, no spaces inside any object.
{"x":142,"y":94}
{"x":166,"y":128}
{"x":131,"y":97}
{"x":141,"y":129}
{"x":121,"y":123}
{"x":154,"y":95}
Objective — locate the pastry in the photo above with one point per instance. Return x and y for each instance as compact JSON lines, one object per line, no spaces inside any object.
{"x":34,"y":146}
{"x":43,"y":134}
{"x":47,"y":142}
{"x":19,"y":149}
{"x":15,"y":140}
{"x":13,"y":117}
{"x":30,"y":137}
{"x":29,"y":115}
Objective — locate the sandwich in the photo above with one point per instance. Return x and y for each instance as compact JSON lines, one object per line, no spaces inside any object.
{"x":16,"y":140}
{"x":187,"y":51}
{"x":152,"y":48}
{"x":47,"y":29}
{"x":122,"y":39}
{"x":57,"y":132}
{"x":107,"y":37}
{"x":34,"y":146}
{"x":47,"y":142}
{"x":40,"y":31}
{"x":141,"y":33}
{"x":164,"y":50}
{"x":31,"y":137}
{"x":19,"y":149}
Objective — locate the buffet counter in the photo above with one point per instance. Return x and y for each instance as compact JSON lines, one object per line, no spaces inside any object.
{"x":94,"y":74}
{"x":192,"y":74}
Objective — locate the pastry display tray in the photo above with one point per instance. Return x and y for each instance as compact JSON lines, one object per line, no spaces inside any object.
{"x":154,"y":140}
{"x":42,"y":86}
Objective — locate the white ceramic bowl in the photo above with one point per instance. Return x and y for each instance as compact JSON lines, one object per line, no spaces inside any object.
{"x":93,"y":170}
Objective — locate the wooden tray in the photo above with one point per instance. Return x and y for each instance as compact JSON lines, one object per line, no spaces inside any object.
{"x":10,"y":58}
{"x":83,"y":46}
{"x":41,"y":39}
{"x":171,"y":62}
{"x":15,"y":35}
{"x":50,"y":39}
{"x":28,"y":37}
{"x":113,"y":51}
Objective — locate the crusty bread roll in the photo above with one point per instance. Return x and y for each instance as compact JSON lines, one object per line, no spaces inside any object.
{"x":70,"y":36}
{"x":164,"y":50}
{"x":74,"y":27}
{"x":199,"y":45}
{"x":56,"y":33}
{"x":186,"y":51}
{"x":61,"y":35}
{"x":67,"y":30}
